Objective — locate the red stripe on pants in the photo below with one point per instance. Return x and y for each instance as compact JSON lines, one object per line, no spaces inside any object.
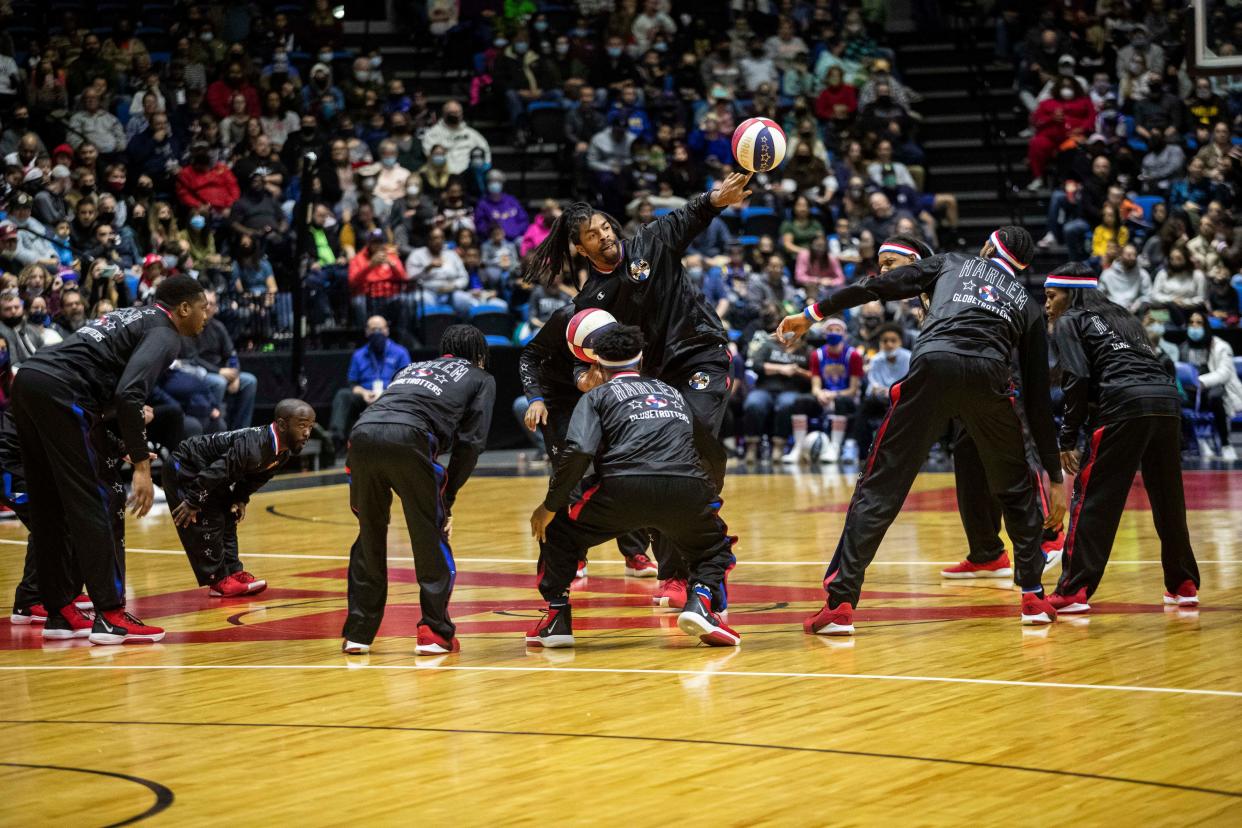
{"x":1096,"y":436}
{"x":576,"y":509}
{"x":893,"y":397}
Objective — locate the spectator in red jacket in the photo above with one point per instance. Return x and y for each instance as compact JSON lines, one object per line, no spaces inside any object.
{"x":377,"y":279}
{"x":838,"y":101}
{"x":220,"y":93}
{"x":1067,"y":114}
{"x":201,"y":183}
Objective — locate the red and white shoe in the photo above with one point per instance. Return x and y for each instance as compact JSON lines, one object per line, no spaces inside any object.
{"x":581,"y":571}
{"x":1036,"y":610}
{"x":120,"y":627}
{"x":84,"y":602}
{"x":640,"y":566}
{"x":1075,"y":604}
{"x":831,"y":621}
{"x":1053,"y":549}
{"x":70,"y":622}
{"x":999,"y":568}
{"x":25,"y":616}
{"x":670,"y":593}
{"x":431,"y":644}
{"x":1187,"y":595}
{"x":697,"y":619}
{"x":253,"y":585}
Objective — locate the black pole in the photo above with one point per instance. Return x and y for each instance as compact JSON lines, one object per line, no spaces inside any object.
{"x":302,"y":215}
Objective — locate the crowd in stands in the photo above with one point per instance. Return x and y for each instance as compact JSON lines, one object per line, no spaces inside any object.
{"x":1142,"y":164}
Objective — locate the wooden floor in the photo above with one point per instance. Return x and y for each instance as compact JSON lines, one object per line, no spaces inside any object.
{"x":942,"y":711}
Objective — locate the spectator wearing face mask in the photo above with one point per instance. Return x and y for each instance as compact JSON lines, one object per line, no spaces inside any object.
{"x":362,"y":81}
{"x":1220,"y":392}
{"x":371,"y":369}
{"x":1179,"y":283}
{"x":1140,"y":47}
{"x":23,"y":339}
{"x":498,"y":208}
{"x":206,"y":183}
{"x":1160,"y":110}
{"x":456,"y":138}
{"x":886,"y":369}
{"x":1069,"y":113}
{"x":1204,"y":106}
{"x":32,"y":246}
{"x":391,"y":181}
{"x":1162,"y":164}
{"x":321,"y":95}
{"x":441,"y":273}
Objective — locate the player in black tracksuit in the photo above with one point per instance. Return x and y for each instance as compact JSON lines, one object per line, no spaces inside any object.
{"x":60,"y":398}
{"x":639,"y":433}
{"x":429,"y":408}
{"x":209,"y":481}
{"x":641,"y":282}
{"x":1117,"y":391}
{"x":549,"y":380}
{"x":979,"y":312}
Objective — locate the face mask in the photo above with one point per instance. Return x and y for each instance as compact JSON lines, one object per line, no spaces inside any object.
{"x":641,"y":159}
{"x":38,"y":317}
{"x":521,"y":47}
{"x":1139,"y":43}
{"x":1155,"y":330}
{"x":562,"y":49}
{"x":1136,"y":66}
{"x":411,"y":192}
{"x":495,"y":187}
{"x":500,"y":43}
{"x":540,"y":25}
{"x":695,"y":273}
{"x":614,"y":51}
{"x":170,"y":261}
{"x":870,"y":321}
{"x":660,"y":46}
{"x":1195,"y":334}
{"x":1067,"y":94}
{"x":377,"y":342}
{"x":207,"y":37}
{"x":377,"y":62}
{"x":389,"y":162}
{"x":326,"y":57}
{"x":884,"y":100}
{"x":834,"y":339}
{"x":362,"y":76}
{"x":198,"y":222}
{"x":438,"y":160}
{"x":1067,"y":71}
{"x":452,"y":120}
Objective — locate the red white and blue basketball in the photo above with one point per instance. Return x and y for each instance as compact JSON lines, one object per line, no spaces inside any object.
{"x":759,"y":144}
{"x":583,"y":329}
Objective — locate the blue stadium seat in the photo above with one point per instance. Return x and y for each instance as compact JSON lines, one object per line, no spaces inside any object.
{"x":497,"y":341}
{"x":159,"y":58}
{"x":547,"y":121}
{"x":1188,"y":378}
{"x":760,"y":221}
{"x":1148,"y":203}
{"x":434,"y":321}
{"x":662,"y":211}
{"x":492,"y":320}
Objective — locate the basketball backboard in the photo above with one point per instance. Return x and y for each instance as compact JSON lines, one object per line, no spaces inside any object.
{"x":1216,"y":37}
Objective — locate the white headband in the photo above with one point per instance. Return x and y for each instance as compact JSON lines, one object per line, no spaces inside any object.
{"x":621,"y":363}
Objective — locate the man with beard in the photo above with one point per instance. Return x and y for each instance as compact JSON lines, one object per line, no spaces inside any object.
{"x":72,"y":312}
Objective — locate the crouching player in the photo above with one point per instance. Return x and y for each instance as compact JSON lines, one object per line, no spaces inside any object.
{"x":210,"y":480}
{"x":639,"y":432}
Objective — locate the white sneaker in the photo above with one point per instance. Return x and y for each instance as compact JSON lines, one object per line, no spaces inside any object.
{"x":1035,"y":186}
{"x":831,"y":453}
{"x":1049,"y":240}
{"x":1228,"y":454}
{"x":1205,"y":450}
{"x":354,"y":648}
{"x":793,"y":456}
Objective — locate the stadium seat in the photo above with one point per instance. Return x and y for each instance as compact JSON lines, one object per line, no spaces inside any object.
{"x":497,"y":341}
{"x":547,"y":122}
{"x":760,"y":221}
{"x":1188,"y":378}
{"x":433,"y":322}
{"x":1148,"y":203}
{"x":492,"y":320}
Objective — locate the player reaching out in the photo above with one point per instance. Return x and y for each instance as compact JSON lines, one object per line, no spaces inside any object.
{"x":978,"y":313}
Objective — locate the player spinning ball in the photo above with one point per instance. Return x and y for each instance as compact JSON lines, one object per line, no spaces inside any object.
{"x":759,"y":144}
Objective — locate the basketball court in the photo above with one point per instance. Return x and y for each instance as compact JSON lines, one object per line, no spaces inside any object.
{"x":943,"y":709}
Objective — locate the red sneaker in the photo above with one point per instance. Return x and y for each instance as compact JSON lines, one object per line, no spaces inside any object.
{"x":837,"y":620}
{"x":1187,"y":595}
{"x":253,"y":585}
{"x":84,"y":602}
{"x":25,"y":616}
{"x":227,"y":587}
{"x":697,"y":619}
{"x":70,"y":622}
{"x":999,"y":568}
{"x":581,"y":572}
{"x":1036,"y":610}
{"x":670,"y":593}
{"x":640,"y":566}
{"x":120,"y":627}
{"x":1070,"y":604}
{"x":431,"y":644}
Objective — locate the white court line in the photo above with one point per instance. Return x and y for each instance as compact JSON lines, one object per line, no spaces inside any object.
{"x":609,"y":562}
{"x":1055,"y":685}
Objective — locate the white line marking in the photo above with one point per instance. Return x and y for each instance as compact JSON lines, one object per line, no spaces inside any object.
{"x":1121,"y":688}
{"x":406,"y":558}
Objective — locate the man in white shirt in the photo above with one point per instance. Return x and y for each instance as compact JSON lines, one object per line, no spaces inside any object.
{"x":441,"y":274}
{"x":1125,"y":281}
{"x":453,"y":134}
{"x":649,"y":24}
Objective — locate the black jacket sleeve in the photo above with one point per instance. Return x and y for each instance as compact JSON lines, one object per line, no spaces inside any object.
{"x":159,"y":347}
{"x":682,"y":226}
{"x":900,"y":283}
{"x":471,"y":439}
{"x":533,"y":355}
{"x":1036,"y":396}
{"x":581,"y":443}
{"x":1075,"y":380}
{"x":239,"y":461}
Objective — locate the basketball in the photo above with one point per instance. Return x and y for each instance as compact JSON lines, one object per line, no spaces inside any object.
{"x":759,"y":144}
{"x":582,"y":330}
{"x":815,"y":445}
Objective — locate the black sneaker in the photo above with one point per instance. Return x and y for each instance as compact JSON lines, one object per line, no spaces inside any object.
{"x":553,"y":630}
{"x":698,"y":619}
{"x":70,"y":622}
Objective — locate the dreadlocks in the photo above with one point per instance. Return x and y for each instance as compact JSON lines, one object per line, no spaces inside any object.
{"x":555,"y":254}
{"x":465,"y":341}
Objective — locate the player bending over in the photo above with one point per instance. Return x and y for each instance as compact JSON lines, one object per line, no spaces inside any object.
{"x":209,"y":482}
{"x":639,"y":433}
{"x":429,"y":408}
